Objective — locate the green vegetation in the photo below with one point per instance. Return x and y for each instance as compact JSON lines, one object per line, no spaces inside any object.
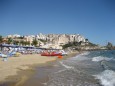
{"x":10,"y":40}
{"x":16,"y":42}
{"x":42,"y":40}
{"x":91,"y":44}
{"x":72,"y":44}
{"x":22,"y":37}
{"x":68,"y":45}
{"x":1,"y":39}
{"x":78,"y":44}
{"x":35,"y":42}
{"x":23,"y":42}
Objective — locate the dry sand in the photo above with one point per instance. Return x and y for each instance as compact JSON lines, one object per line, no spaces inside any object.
{"x":14,"y":64}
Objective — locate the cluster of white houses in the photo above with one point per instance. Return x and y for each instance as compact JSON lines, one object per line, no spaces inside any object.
{"x":52,"y":40}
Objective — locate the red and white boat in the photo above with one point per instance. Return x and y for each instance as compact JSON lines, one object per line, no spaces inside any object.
{"x":51,"y":54}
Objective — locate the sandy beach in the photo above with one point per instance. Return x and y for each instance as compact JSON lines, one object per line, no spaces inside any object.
{"x":16,"y":70}
{"x":15,"y":64}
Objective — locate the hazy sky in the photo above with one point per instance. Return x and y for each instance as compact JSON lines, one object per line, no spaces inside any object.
{"x":94,"y":19}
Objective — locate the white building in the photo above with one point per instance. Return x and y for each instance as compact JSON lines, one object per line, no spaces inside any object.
{"x":13,"y":36}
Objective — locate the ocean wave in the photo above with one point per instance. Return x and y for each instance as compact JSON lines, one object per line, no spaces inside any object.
{"x":104,"y":65}
{"x":66,"y":66}
{"x":101,"y":58}
{"x":107,"y":78}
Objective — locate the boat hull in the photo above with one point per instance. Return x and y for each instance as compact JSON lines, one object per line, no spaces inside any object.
{"x":44,"y":54}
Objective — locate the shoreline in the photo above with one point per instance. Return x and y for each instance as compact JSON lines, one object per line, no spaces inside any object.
{"x":23,"y":73}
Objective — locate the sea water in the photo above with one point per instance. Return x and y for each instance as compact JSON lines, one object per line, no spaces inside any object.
{"x":94,"y":68}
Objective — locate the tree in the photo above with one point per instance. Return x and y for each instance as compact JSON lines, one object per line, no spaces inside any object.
{"x":80,"y":42}
{"x":70,"y":44}
{"x":27,"y":43}
{"x":44,"y":41}
{"x":22,"y":42}
{"x":35,"y":42}
{"x":1,"y":39}
{"x":22,"y":37}
{"x":86,"y":40}
{"x":16,"y":42}
{"x":9,"y":40}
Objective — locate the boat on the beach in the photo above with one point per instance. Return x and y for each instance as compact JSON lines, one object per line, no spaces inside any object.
{"x":51,"y":54}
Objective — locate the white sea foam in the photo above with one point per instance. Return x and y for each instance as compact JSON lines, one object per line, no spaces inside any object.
{"x":66,"y":66}
{"x":101,"y":58}
{"x":80,"y":57}
{"x":60,"y":71}
{"x":107,"y":78}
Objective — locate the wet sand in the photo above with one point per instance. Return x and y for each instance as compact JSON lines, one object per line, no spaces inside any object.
{"x":27,"y":76}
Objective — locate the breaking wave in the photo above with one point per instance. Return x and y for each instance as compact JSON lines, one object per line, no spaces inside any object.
{"x":105,"y":65}
{"x":66,"y":66}
{"x":107,"y":78}
{"x":101,"y":58}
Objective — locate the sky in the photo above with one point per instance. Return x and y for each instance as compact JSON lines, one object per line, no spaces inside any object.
{"x":94,"y":19}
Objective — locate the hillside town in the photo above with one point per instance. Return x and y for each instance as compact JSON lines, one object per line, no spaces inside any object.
{"x":55,"y":41}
